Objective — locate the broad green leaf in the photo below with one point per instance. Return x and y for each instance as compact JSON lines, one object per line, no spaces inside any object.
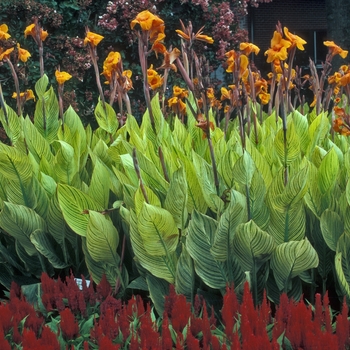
{"x":20,"y":222}
{"x":128,"y":165}
{"x":36,"y":143}
{"x":46,"y":115}
{"x":290,"y":260}
{"x":100,"y":268}
{"x":200,"y":238}
{"x":196,"y":199}
{"x":100,"y":184}
{"x":41,"y":85}
{"x":11,"y":123}
{"x":43,"y":243}
{"x":158,"y":230}
{"x":318,"y":131}
{"x":243,"y":169}
{"x":206,"y":181}
{"x":328,"y":172}
{"x":140,"y":199}
{"x":158,"y":290}
{"x":151,"y":176}
{"x":226,"y":165}
{"x":301,"y":127}
{"x":325,"y":255}
{"x":252,"y":246}
{"x":332,"y":228}
{"x":343,"y":247}
{"x":340,"y":266}
{"x":260,"y":162}
{"x":106,"y":117}
{"x":102,"y":238}
{"x":65,"y":166}
{"x":75,"y":205}
{"x":162,"y":266}
{"x":185,"y":275}
{"x":21,"y":193}
{"x":176,"y":199}
{"x":258,"y":210}
{"x":15,"y":165}
{"x":235,"y":214}
{"x":78,"y":136}
{"x":288,"y":150}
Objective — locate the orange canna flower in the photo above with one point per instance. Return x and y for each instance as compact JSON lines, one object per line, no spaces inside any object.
{"x":264,"y":98}
{"x":225,"y":94}
{"x":154,"y":79}
{"x":187,"y":34}
{"x":23,"y":54}
{"x":30,"y":30}
{"x":248,"y":48}
{"x":203,"y":124}
{"x":180,"y":92}
{"x":278,"y":50}
{"x":294,"y":39}
{"x":62,"y":77}
{"x":92,"y":38}
{"x":5,"y":54}
{"x":344,"y":68}
{"x":4,"y":35}
{"x":147,"y":21}
{"x":210,"y":93}
{"x":335,"y":49}
{"x":345,"y":79}
{"x":335,"y":78}
{"x":110,"y":64}
{"x":27,"y":95}
{"x":169,"y":58}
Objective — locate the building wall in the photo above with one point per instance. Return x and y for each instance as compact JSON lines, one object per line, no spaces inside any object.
{"x":301,"y":17}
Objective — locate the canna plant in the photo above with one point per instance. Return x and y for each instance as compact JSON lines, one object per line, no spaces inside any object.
{"x":184,"y":200}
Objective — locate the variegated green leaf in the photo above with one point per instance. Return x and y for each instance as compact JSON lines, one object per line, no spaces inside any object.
{"x":11,"y":123}
{"x":43,"y":243}
{"x":235,"y":214}
{"x":176,"y":199}
{"x":162,"y":266}
{"x":158,"y":230}
{"x":75,"y":205}
{"x":252,"y":246}
{"x":332,"y":228}
{"x":65,"y":164}
{"x":106,"y":117}
{"x":20,"y":222}
{"x":290,"y":260}
{"x":200,"y":238}
{"x":328,"y":172}
{"x":102,"y":238}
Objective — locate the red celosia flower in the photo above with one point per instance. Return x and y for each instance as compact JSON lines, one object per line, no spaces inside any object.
{"x":191,"y":342}
{"x":148,"y":335}
{"x":110,"y":303}
{"x":49,"y":339}
{"x":206,"y":327}
{"x":68,"y":324}
{"x":4,"y":344}
{"x":167,"y":342}
{"x":181,"y":313}
{"x":229,"y":310}
{"x":103,"y":288}
{"x":108,"y":325}
{"x":342,"y":329}
{"x":106,"y":343}
{"x":6,"y":320}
